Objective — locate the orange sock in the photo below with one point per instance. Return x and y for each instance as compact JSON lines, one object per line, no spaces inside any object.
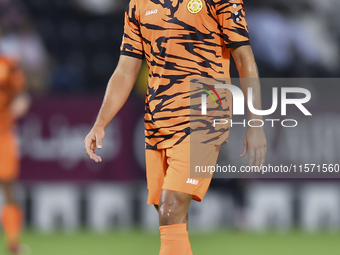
{"x":11,"y":219}
{"x":175,"y":240}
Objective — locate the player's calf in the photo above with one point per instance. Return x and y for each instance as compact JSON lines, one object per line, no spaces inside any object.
{"x":172,"y":210}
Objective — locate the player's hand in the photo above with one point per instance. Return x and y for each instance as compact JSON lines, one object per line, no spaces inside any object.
{"x":255,"y":142}
{"x":94,"y":140}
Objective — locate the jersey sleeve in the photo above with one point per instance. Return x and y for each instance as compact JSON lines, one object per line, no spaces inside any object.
{"x":132,"y":44}
{"x":231,"y":18}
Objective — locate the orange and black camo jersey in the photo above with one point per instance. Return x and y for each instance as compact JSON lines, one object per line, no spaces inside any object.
{"x":180,"y":40}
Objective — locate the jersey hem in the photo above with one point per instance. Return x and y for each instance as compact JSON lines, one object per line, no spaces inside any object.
{"x":170,"y":144}
{"x":237,"y":44}
{"x":132,"y":54}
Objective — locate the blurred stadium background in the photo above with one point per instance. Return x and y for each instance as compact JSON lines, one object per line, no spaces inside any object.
{"x":68,"y":50}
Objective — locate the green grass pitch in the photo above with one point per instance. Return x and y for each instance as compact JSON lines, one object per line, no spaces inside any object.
{"x":137,"y":242}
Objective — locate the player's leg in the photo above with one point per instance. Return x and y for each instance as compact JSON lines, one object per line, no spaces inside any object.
{"x":11,"y":213}
{"x":156,"y":168}
{"x":8,"y":192}
{"x":171,"y":188}
{"x":186,"y":218}
{"x":173,"y":207}
{"x":173,"y":218}
{"x":179,"y":188}
{"x":11,"y":218}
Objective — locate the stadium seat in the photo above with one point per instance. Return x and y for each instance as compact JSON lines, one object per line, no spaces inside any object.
{"x":269,"y":205}
{"x":109,"y":205}
{"x":55,"y":205}
{"x":320,"y":207}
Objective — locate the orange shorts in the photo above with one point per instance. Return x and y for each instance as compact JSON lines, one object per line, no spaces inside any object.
{"x":9,"y":157}
{"x":170,"y":169}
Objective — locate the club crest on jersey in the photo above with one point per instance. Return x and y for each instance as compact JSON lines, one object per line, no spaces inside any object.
{"x":151,"y":12}
{"x":195,"y":6}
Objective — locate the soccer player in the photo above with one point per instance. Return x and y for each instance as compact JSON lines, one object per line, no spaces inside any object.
{"x":14,"y":103}
{"x":180,"y":40}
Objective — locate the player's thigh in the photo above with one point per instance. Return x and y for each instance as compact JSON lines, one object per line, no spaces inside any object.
{"x":156,"y":165}
{"x":9,"y":157}
{"x":179,"y":177}
{"x":179,"y":199}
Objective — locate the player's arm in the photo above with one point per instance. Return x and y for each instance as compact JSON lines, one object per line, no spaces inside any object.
{"x":117,"y":92}
{"x":21,"y":100}
{"x":20,"y":105}
{"x":255,"y":140}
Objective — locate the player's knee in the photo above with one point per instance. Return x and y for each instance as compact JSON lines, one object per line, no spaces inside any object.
{"x":8,"y":192}
{"x":167,"y":213}
{"x":171,"y":212}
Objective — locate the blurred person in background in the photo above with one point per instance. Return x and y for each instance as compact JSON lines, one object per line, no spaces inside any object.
{"x":100,"y":7}
{"x":293,"y":39}
{"x":317,"y":46}
{"x":14,"y":103}
{"x":21,"y":41}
